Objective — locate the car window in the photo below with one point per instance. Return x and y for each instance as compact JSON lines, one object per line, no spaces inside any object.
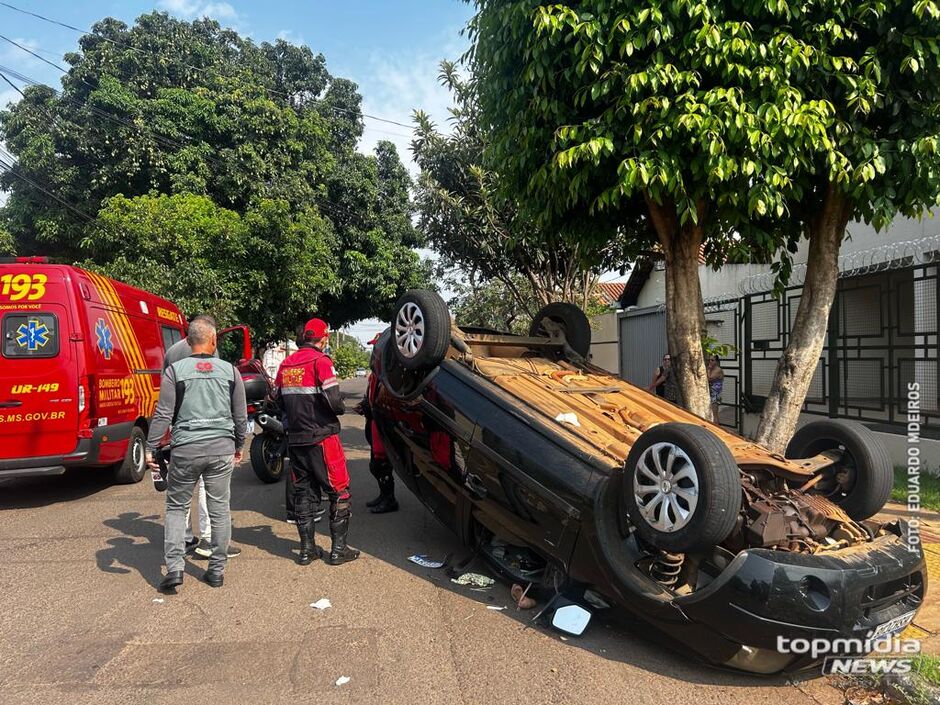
{"x":30,"y":335}
{"x":171,"y":336}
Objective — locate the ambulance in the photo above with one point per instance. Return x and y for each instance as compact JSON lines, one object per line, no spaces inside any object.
{"x":80,"y":368}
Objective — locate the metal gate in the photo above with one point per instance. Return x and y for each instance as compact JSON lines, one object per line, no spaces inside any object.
{"x":642,"y":344}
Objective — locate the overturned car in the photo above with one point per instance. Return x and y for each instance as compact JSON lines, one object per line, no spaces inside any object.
{"x":569,"y":478}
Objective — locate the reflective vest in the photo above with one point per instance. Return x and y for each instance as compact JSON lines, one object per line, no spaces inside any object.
{"x":204,"y":388}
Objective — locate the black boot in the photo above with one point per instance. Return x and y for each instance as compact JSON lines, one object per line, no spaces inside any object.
{"x":340,"y":553}
{"x":387,"y":503}
{"x":308,"y":546}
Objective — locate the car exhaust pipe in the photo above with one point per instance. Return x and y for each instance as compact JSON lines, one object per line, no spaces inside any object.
{"x":269,"y":423}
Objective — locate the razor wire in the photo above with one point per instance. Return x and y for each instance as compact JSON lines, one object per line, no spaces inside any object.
{"x":884,"y":257}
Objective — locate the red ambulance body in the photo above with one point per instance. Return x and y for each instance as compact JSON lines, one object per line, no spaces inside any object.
{"x":80,"y":368}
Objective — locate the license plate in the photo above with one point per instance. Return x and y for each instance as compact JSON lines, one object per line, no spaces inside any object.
{"x":893,"y":627}
{"x":251,"y":426}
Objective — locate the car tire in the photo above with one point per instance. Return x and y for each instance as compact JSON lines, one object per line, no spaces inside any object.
{"x":420,"y":329}
{"x":576,"y":325}
{"x":266,"y":458}
{"x":870,"y":472}
{"x":134,"y":466}
{"x":702,"y":497}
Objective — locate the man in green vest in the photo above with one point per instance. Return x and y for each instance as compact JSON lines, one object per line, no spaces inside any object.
{"x":202,"y":402}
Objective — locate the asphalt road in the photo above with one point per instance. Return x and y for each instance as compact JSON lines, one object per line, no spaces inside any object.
{"x":81,"y":620}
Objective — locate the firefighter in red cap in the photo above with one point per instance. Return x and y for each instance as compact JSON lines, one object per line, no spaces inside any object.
{"x":379,"y":464}
{"x":308,"y":393}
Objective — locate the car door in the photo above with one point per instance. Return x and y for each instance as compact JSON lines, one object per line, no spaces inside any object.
{"x":524,"y":484}
{"x":439,"y":436}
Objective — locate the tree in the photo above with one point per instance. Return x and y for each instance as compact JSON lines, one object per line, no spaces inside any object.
{"x":348,"y":357}
{"x":470,"y":221}
{"x":7,"y":245}
{"x":734,"y":126}
{"x":206,"y":258}
{"x":261,"y":130}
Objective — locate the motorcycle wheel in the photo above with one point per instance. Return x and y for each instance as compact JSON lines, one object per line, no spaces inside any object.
{"x":267,"y":460}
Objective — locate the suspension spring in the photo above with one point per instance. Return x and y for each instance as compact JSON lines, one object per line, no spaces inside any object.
{"x":666,"y":567}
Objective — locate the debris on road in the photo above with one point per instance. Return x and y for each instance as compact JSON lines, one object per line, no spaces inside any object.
{"x":497,"y":608}
{"x":520,"y":595}
{"x":158,"y":600}
{"x":321,"y":604}
{"x":425,"y":562}
{"x":343,"y":680}
{"x":474,"y":580}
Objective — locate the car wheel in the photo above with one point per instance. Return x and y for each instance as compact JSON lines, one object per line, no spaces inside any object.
{"x":420,"y":329}
{"x":573,"y":322}
{"x":861,"y":481}
{"x":266,"y":457}
{"x":134,"y":465}
{"x":681,"y":488}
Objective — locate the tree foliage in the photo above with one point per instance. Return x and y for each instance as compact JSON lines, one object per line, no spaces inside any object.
{"x":733,"y":125}
{"x":477,"y":227}
{"x":262,"y":131}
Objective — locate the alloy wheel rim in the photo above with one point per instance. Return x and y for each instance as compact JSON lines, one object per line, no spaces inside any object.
{"x":409,"y":330}
{"x":137,"y":456}
{"x":666,"y":487}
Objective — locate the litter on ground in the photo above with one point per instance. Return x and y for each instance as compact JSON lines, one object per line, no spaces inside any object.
{"x":495,"y":607}
{"x":568,"y":418}
{"x":343,"y":680}
{"x":158,"y":600}
{"x":474,"y":580}
{"x":425,"y":562}
{"x":321,"y":604}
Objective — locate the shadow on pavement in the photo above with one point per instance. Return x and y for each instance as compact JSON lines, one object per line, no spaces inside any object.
{"x":44,"y":491}
{"x":124,"y":554}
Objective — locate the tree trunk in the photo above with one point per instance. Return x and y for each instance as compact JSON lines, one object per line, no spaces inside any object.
{"x":808,"y":335}
{"x":685,"y":317}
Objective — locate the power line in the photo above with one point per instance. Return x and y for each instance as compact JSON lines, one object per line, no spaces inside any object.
{"x":10,"y":168}
{"x":129,"y":47}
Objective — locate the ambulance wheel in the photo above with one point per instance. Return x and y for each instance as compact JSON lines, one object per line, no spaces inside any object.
{"x":134,"y":465}
{"x":266,"y":457}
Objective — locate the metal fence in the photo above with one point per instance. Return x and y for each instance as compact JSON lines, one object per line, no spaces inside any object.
{"x":882,"y":338}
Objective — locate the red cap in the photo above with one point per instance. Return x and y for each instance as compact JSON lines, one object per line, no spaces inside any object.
{"x":316,"y":328}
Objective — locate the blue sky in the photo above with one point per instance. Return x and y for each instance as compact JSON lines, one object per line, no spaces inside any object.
{"x":391,"y":49}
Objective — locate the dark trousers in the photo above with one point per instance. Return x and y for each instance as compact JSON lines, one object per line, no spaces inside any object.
{"x":312,"y":477}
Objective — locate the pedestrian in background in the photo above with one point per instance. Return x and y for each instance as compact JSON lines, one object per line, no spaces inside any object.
{"x":307,"y":391}
{"x":202,"y":402}
{"x":716,"y":382}
{"x":664,"y":381}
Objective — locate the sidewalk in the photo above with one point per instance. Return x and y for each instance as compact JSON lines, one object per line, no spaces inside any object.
{"x":927,"y":625}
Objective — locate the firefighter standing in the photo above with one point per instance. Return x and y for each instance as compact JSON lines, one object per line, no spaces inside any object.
{"x":379,"y":464}
{"x":309,"y":395}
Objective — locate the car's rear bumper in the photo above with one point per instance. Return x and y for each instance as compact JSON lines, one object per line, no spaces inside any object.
{"x":767,"y":599}
{"x":85,"y":454}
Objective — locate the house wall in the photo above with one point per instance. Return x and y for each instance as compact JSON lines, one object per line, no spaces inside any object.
{"x":605,"y":342}
{"x":727,"y":281}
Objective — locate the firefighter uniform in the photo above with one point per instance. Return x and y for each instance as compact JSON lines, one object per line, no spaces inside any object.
{"x":379,"y":464}
{"x":308,"y":394}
